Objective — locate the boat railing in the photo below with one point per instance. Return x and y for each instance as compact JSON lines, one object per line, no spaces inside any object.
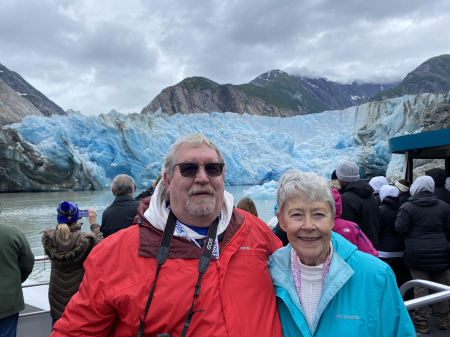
{"x":41,"y":258}
{"x":442,"y":293}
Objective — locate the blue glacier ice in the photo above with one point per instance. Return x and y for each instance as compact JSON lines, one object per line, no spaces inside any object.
{"x":257,"y":149}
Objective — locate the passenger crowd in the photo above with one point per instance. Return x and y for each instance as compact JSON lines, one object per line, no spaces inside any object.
{"x":182,"y":258}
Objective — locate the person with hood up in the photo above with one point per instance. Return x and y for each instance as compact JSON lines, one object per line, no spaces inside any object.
{"x":424,"y":222}
{"x":350,"y":230}
{"x":376,"y":183}
{"x":68,"y":247}
{"x":439,"y":176}
{"x":324,"y":285}
{"x":390,"y":243}
{"x":358,"y":203}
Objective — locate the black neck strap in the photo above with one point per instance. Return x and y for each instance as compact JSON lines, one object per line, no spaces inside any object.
{"x":161,"y":257}
{"x":203,"y":265}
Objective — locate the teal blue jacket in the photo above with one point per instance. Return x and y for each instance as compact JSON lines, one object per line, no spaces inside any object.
{"x":359,"y":296}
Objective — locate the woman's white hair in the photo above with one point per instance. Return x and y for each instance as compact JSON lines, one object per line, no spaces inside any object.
{"x":307,"y":184}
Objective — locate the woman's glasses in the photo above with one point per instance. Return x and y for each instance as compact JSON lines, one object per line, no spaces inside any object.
{"x":190,"y":169}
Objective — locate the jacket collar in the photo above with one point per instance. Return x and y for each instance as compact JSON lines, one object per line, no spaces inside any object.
{"x":150,"y":237}
{"x":282,"y":278}
{"x":123,"y":197}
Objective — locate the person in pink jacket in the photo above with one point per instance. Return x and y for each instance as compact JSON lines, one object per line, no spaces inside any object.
{"x":350,"y":230}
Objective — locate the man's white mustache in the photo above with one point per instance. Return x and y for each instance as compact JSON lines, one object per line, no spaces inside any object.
{"x":202,"y":189}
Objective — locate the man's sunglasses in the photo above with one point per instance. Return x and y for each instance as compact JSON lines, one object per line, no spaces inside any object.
{"x":190,"y":169}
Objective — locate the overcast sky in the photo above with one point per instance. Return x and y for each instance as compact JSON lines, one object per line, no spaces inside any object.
{"x":98,"y":55}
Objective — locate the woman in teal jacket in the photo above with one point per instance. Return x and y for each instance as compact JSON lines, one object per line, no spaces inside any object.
{"x":324,"y":285}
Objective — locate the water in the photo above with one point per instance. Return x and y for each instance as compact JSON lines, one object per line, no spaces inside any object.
{"x":34,"y":212}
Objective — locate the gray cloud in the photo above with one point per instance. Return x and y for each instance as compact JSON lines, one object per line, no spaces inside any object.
{"x":93,"y":56}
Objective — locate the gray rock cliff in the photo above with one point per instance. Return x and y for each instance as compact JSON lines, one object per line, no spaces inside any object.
{"x":274,"y":93}
{"x":198,"y":94}
{"x":22,"y":88}
{"x":13,"y":107}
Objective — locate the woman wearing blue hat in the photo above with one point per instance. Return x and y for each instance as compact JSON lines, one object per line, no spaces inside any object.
{"x":67,"y":247}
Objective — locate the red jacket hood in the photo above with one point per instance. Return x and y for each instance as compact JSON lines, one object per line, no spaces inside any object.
{"x":338,"y":203}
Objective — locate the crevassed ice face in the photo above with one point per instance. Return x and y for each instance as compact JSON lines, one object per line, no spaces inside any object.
{"x":195,"y":200}
{"x":308,"y":226}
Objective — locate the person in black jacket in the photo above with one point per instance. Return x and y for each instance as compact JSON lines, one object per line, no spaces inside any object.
{"x":120,"y":214}
{"x":425,"y":223}
{"x":439,"y":176}
{"x":390,"y":243}
{"x":358,"y":203}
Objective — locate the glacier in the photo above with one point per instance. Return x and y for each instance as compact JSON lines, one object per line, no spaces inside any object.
{"x":257,"y":149}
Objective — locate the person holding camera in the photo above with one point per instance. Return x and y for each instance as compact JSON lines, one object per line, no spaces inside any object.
{"x":192,"y":265}
{"x":67,"y":247}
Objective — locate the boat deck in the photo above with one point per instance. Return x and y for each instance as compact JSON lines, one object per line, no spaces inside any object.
{"x":39,"y":325}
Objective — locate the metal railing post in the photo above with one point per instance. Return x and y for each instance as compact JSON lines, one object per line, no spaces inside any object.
{"x":442,"y":293}
{"x":41,"y":258}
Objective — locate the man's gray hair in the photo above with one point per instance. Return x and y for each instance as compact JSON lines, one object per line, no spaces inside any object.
{"x":307,"y":184}
{"x":195,"y":140}
{"x":122,"y":184}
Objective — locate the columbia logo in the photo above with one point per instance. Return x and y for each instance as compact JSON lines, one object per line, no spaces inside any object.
{"x":245,"y":248}
{"x":340,"y":316}
{"x":346,"y":230}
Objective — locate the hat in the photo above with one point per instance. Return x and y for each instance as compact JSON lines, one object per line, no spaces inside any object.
{"x":423,"y":183}
{"x":403,"y":185}
{"x":377,"y":182}
{"x":67,"y":212}
{"x":348,"y":172}
{"x":388,"y":191}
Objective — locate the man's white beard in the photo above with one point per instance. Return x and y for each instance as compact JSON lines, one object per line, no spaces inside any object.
{"x":204,"y":208}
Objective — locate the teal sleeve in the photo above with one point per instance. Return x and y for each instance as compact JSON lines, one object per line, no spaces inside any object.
{"x":394,"y":318}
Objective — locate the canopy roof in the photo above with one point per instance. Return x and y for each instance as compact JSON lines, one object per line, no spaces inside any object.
{"x":425,"y":145}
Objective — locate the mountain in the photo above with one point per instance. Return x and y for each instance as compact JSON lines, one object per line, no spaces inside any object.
{"x":199,"y":94}
{"x":274,"y":93}
{"x":311,"y":95}
{"x":13,"y":87}
{"x":14,"y":107}
{"x":431,"y":76}
{"x":80,"y":152}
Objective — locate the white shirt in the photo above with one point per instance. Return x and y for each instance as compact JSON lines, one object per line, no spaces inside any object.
{"x":311,"y":280}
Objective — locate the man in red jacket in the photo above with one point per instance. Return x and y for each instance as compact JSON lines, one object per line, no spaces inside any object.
{"x":215,"y":280}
